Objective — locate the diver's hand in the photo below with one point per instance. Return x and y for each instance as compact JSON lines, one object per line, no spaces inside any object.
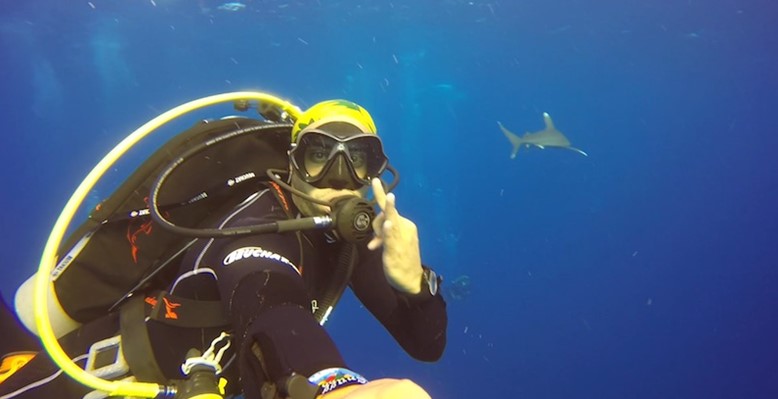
{"x":385,"y":388}
{"x":400,"y":239}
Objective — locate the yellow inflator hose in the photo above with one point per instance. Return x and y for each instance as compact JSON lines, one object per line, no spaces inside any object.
{"x":48,"y":259}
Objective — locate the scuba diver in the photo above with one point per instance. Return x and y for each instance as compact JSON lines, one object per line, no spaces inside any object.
{"x":246,"y":303}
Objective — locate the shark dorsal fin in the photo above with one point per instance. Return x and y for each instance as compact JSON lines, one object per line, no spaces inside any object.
{"x":549,"y":122}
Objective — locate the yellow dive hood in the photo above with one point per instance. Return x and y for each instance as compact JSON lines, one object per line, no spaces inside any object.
{"x":48,"y":259}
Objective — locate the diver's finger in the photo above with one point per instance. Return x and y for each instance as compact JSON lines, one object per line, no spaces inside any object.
{"x":380,"y":227}
{"x":378,"y":223}
{"x":390,"y":209}
{"x":375,"y":243}
{"x":378,"y":232}
{"x":378,"y":192}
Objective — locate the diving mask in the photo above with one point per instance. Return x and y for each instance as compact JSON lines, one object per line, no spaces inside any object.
{"x":325,"y":160}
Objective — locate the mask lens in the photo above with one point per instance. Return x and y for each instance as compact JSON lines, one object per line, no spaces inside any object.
{"x":311,"y":154}
{"x":319,"y":155}
{"x":316,"y":156}
{"x":367,"y":156}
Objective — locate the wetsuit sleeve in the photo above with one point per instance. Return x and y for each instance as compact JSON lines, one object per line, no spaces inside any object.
{"x":417,"y":324}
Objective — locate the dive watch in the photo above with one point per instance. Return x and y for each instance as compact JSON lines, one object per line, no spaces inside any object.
{"x":430,"y":281}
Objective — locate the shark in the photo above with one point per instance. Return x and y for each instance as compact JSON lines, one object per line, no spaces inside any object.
{"x":546,"y":138}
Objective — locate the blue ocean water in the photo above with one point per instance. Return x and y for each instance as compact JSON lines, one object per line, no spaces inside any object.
{"x":645,"y":270}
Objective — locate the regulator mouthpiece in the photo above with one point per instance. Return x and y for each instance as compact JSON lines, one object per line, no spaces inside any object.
{"x":353,"y":218}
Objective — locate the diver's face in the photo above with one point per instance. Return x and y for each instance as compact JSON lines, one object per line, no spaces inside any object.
{"x":308,"y":208}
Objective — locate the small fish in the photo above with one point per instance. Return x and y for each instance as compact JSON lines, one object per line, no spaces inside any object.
{"x":231,"y":6}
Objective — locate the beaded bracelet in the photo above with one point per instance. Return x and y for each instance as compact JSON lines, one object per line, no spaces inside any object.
{"x":334,"y":378}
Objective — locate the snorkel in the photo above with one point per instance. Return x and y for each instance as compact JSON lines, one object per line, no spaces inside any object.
{"x":351,"y":215}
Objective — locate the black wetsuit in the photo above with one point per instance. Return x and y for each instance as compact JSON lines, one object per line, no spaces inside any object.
{"x":268,"y":285}
{"x":259,"y":281}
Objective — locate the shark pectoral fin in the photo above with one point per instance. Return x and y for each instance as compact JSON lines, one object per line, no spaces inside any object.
{"x":540,"y":146}
{"x":578,"y":151}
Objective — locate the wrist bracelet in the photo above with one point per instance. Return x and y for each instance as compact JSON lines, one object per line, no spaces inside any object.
{"x":334,"y":378}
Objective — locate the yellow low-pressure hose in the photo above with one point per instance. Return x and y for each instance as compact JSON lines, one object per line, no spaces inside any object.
{"x":48,"y":259}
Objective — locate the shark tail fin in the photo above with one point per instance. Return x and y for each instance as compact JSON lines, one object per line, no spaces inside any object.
{"x":515,"y":140}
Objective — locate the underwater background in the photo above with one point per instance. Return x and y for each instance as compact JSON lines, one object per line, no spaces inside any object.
{"x":645,"y":270}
